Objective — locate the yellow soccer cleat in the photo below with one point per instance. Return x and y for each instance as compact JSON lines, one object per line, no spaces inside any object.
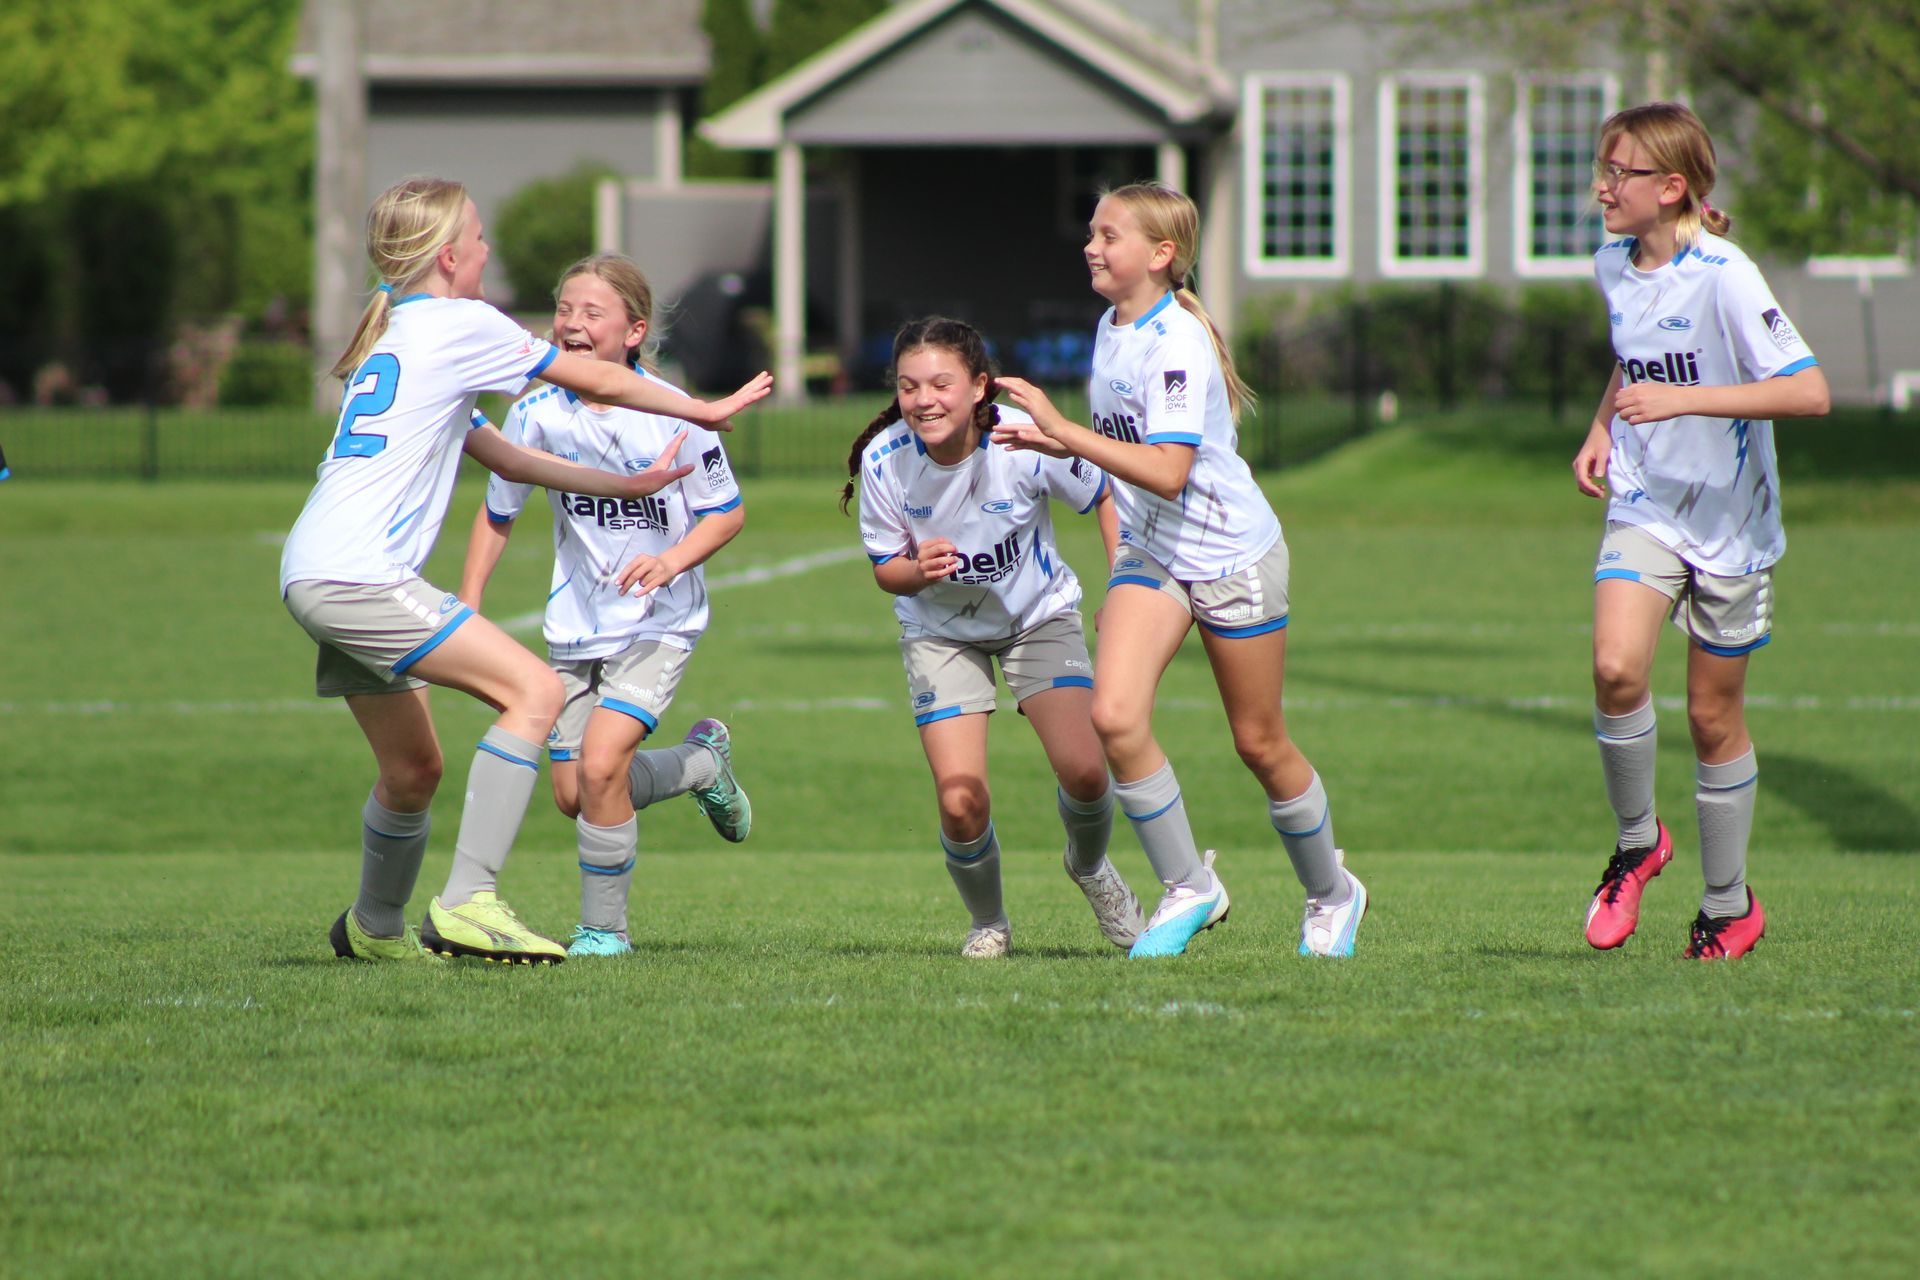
{"x":485,"y":927}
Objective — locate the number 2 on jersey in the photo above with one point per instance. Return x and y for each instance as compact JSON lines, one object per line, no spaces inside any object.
{"x":383,"y":372}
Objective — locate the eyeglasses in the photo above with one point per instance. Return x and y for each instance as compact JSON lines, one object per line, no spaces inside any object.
{"x":1612,"y":175}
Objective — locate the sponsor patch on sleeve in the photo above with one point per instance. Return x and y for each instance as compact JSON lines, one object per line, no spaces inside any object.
{"x":1176,"y":401}
{"x":1780,"y":329}
{"x":713,"y":465}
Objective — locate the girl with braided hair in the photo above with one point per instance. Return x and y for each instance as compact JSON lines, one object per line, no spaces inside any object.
{"x":961,"y":536}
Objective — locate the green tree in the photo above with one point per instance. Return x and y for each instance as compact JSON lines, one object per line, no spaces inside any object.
{"x":739,"y":61}
{"x":801,"y":28}
{"x":1815,"y":106}
{"x":543,"y":228}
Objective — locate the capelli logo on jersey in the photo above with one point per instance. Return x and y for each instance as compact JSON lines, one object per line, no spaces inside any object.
{"x":1117,"y":427}
{"x":617,"y":513}
{"x":1124,"y":388}
{"x":1676,"y":368}
{"x":989,"y":566}
{"x":920,"y":513}
{"x":998,"y":507}
{"x":1676,"y":323}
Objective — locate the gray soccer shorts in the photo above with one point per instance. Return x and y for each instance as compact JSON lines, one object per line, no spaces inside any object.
{"x":955,"y":677}
{"x":1724,"y":616}
{"x":1251,"y":602}
{"x":369,"y":636}
{"x":638,"y":681}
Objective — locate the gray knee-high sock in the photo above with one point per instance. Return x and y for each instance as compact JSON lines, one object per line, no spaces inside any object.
{"x":1627,"y":747}
{"x":670,"y":771}
{"x":1305,"y":824}
{"x":1159,"y":818}
{"x":1089,"y":824}
{"x":975,"y":868}
{"x":391,"y":846}
{"x":607,"y":855}
{"x":499,"y":785}
{"x":1724,"y":800}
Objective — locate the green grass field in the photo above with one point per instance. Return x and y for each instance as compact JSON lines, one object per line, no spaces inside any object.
{"x":795,"y":1075}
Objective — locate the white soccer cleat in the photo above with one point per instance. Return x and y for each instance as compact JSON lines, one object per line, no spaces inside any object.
{"x":1181,"y":916}
{"x":1113,"y":903}
{"x":988,"y":942}
{"x":1328,"y":931}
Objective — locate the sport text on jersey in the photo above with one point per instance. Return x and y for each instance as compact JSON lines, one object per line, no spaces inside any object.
{"x":1677,"y":368}
{"x":989,"y":566}
{"x":617,"y":513}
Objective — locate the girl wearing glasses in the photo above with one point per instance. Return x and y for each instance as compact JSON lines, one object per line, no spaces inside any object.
{"x":1681,"y":448}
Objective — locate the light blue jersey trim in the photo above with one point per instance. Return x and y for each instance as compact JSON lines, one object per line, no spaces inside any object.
{"x":1735,"y":651}
{"x":545,"y":360}
{"x":1624,"y":575}
{"x":1133,"y":580}
{"x":1094,"y":501}
{"x":406,"y":519}
{"x":880,"y":560}
{"x":561,"y":754}
{"x":1166,"y":300}
{"x":411,"y":297}
{"x":944,"y":713}
{"x":1247,"y":633}
{"x":494,"y":517}
{"x":1804,"y":362}
{"x":714,"y":511}
{"x":628,"y":709}
{"x":508,"y":756}
{"x":1175,"y":437}
{"x":1072,"y":682}
{"x":433,"y":642}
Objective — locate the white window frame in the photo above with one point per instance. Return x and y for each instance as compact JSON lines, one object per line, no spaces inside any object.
{"x":1255,"y":262}
{"x":1474,"y":265}
{"x":1525,"y":264}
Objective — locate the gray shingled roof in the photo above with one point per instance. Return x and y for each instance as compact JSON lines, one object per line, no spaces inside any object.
{"x":524,"y":41}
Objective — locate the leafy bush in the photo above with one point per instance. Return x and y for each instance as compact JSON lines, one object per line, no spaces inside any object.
{"x":545,"y":226}
{"x":268,"y":374}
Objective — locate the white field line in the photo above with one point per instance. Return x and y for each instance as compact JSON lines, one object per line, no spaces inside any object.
{"x":1893,"y":703}
{"x":748,"y":577}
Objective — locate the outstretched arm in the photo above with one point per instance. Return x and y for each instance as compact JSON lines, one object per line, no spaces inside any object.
{"x":484,"y":547}
{"x":908,"y":575}
{"x":522,"y":465}
{"x":707,"y":536}
{"x":1160,"y":469}
{"x":1797,"y":395}
{"x":604,"y":382}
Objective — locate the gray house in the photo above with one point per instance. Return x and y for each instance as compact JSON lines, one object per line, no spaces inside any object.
{"x":944,"y":157}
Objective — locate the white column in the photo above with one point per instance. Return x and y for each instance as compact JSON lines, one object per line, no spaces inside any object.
{"x":608,"y":219}
{"x":667,"y":126}
{"x":1170,"y":165}
{"x":339,"y":192}
{"x":1220,"y":171}
{"x":789,"y":272}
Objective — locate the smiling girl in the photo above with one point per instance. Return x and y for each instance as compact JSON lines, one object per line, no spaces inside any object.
{"x":961,"y":535}
{"x":628,"y":601}
{"x":1682,"y":449}
{"x":426,"y":346}
{"x":1199,"y":544}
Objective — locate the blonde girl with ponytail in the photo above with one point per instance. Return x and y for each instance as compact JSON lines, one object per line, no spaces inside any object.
{"x":1199,"y":544}
{"x":426,"y":347}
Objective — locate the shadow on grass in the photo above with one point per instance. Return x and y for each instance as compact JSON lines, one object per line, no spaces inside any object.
{"x":1859,"y":815}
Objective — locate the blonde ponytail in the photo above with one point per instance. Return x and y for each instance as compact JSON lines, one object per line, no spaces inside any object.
{"x":407,"y":227}
{"x":1166,"y":214}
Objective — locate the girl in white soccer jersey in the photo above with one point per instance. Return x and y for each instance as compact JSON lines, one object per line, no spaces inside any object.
{"x":1199,"y":543}
{"x":962,"y":535}
{"x":1682,"y":448}
{"x":629,"y":600}
{"x":426,"y":346}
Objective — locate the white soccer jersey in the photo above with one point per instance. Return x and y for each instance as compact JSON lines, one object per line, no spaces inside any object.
{"x":993,"y":508}
{"x":388,"y":471}
{"x":594,"y":538}
{"x":1157,"y":381}
{"x":1707,"y":488}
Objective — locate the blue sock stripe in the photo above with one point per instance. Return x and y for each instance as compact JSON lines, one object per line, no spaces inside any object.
{"x":986,"y":843}
{"x":1149,"y":817}
{"x":1728,"y":786}
{"x":594,"y":868}
{"x":492,"y":750}
{"x":1324,"y":815}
